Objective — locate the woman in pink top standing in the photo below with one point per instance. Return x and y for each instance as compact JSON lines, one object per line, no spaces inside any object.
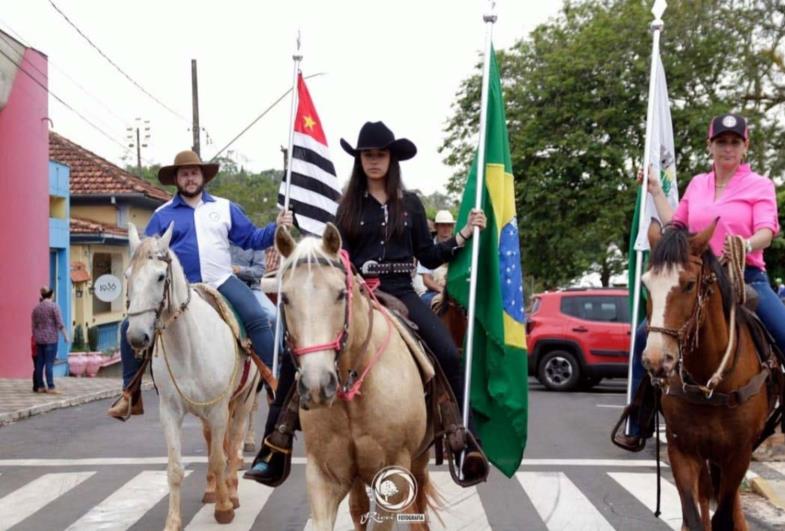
{"x":746,"y":206}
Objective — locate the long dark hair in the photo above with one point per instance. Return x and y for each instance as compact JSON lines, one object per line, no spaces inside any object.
{"x":347,"y":218}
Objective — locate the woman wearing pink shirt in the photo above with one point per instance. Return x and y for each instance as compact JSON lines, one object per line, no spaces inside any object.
{"x":746,"y":206}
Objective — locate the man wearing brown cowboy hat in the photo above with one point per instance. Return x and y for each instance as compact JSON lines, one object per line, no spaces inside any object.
{"x":204,"y":228}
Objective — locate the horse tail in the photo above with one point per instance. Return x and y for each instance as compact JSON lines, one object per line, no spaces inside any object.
{"x":428,"y":497}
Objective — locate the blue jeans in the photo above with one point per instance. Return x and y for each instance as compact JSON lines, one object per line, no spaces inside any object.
{"x":44,"y":361}
{"x":255,"y":316}
{"x":770,"y":309}
{"x":271,"y":313}
{"x":427,"y":297}
{"x":256,"y":320}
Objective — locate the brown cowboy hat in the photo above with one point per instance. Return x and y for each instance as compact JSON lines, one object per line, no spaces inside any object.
{"x":167,"y":174}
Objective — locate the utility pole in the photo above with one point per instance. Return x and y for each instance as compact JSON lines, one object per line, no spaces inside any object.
{"x":195,"y":99}
{"x":138,"y":154}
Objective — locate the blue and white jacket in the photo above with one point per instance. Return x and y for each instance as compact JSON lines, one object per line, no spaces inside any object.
{"x":202,"y":235}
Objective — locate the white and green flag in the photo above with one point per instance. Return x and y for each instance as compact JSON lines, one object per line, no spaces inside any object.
{"x":663,"y":159}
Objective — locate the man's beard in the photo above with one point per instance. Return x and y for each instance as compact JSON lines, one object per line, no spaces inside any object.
{"x":188,"y":194}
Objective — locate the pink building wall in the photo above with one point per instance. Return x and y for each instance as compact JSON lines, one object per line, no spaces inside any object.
{"x":24,"y":214}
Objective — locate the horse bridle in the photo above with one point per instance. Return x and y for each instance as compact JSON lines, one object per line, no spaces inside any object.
{"x":688,"y":332}
{"x":165,"y":300}
{"x":348,"y":390}
{"x":339,"y":343}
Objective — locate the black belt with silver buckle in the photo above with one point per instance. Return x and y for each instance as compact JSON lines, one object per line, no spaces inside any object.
{"x":372,"y":268}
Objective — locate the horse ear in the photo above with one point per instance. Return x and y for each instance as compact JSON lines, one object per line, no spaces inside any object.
{"x":700,"y":242}
{"x":655,"y":232}
{"x":331,"y":239}
{"x":133,"y":238}
{"x":284,"y":241}
{"x":166,"y":239}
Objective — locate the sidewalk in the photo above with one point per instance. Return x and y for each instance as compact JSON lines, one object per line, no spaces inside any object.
{"x":18,"y":401}
{"x":766,"y":476}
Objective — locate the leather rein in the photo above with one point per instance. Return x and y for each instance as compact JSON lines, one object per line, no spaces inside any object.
{"x":166,"y":300}
{"x":687,"y":338}
{"x":348,"y":390}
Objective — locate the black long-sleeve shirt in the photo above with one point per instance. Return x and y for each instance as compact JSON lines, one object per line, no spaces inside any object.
{"x":375,"y":241}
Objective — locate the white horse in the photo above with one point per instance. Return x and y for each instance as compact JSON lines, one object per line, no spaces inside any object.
{"x":197,"y":369}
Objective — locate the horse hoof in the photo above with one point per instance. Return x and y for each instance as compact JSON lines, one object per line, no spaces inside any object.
{"x":209,"y":497}
{"x":249,"y":447}
{"x":224,"y":517}
{"x":235,"y":501}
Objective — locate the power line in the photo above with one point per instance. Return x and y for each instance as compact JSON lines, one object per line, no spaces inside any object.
{"x":129,"y":78}
{"x":62,"y":101}
{"x":44,"y":75}
{"x":268,"y":109}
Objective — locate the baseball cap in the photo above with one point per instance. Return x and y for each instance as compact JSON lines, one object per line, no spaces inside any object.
{"x":728,"y":123}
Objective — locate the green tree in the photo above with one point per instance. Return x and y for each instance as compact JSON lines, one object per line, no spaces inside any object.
{"x":576,"y":92}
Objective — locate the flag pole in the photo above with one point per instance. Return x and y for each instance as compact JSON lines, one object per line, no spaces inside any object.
{"x":656,"y":27}
{"x":296,"y":58}
{"x":489,"y":20}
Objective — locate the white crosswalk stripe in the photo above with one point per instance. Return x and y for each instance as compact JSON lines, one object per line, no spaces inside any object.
{"x":253,"y":497}
{"x":560,"y":503}
{"x":643,"y":487}
{"x":555,"y":496}
{"x":31,"y":498}
{"x":125,"y":506}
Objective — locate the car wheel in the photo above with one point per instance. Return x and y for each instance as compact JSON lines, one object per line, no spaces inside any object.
{"x":559,"y":371}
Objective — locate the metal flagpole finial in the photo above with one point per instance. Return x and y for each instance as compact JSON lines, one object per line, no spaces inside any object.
{"x":298,"y":56}
{"x":490,"y":16}
{"x":657,"y":10}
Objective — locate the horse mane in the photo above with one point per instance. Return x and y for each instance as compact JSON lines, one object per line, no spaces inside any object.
{"x":673,"y":249}
{"x":309,"y":251}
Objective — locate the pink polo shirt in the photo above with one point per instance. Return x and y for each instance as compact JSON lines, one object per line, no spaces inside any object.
{"x":747,"y":204}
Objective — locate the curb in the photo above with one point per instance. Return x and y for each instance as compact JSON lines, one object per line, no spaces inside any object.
{"x":8,"y":418}
{"x":762,"y":488}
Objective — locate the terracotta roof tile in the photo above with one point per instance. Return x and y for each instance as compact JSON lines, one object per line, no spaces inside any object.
{"x":93,"y":175}
{"x":84,"y":226}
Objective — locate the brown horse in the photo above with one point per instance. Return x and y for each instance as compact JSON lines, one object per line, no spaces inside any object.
{"x":714,"y":394}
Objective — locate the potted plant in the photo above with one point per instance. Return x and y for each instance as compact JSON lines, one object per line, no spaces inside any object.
{"x":77,"y":362}
{"x":94,"y":358}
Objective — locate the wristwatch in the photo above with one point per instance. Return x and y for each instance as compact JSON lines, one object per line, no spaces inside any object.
{"x":748,"y":246}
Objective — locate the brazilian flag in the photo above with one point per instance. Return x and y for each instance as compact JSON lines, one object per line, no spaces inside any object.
{"x":499,"y":386}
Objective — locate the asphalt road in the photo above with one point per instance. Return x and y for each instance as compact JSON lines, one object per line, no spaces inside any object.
{"x":77,"y":469}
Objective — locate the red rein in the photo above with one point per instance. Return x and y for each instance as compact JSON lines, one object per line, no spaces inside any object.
{"x":337,"y":343}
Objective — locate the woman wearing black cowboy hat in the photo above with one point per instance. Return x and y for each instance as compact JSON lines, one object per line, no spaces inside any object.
{"x":384,"y":228}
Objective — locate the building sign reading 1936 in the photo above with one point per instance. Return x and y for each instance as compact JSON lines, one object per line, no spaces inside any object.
{"x":107,"y":288}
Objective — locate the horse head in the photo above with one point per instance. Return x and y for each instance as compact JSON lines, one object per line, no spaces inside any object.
{"x":316,"y":298}
{"x":150,"y":284}
{"x":676,"y":282}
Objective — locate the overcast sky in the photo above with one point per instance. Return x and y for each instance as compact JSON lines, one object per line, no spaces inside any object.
{"x":397,"y":61}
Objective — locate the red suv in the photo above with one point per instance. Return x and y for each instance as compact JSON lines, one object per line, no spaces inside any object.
{"x":577,"y":337}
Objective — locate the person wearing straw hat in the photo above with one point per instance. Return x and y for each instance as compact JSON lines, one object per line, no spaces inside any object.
{"x":445,"y":225}
{"x":205,"y":227}
{"x":384,"y":229}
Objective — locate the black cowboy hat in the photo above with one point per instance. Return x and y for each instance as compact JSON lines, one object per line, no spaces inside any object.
{"x":376,"y":135}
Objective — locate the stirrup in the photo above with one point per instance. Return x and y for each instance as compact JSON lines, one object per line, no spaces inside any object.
{"x":473,"y":456}
{"x":268,"y":453}
{"x":621,"y":439}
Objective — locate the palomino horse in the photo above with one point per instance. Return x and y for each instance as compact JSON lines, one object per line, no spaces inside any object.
{"x":197,"y":369}
{"x":345,"y":344}
{"x":714,"y":394}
